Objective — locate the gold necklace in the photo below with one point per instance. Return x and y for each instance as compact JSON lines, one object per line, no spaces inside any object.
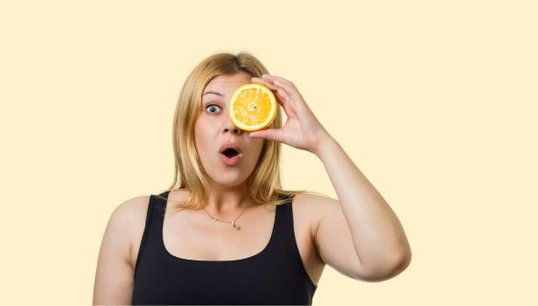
{"x":233,"y":222}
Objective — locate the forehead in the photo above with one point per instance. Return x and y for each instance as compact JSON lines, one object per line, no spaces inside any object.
{"x":225,"y":83}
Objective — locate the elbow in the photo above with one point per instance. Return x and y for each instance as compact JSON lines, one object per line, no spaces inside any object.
{"x":398,"y":264}
{"x":388,"y":269}
{"x":401,"y":262}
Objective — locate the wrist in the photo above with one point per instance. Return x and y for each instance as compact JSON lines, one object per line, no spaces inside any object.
{"x":324,"y":145}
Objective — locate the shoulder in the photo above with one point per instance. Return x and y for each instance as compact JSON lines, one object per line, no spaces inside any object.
{"x":115,"y":270}
{"x":312,"y":207}
{"x":314,"y":198}
{"x":131,"y":210}
{"x":314,"y":203}
{"x":129,"y":219}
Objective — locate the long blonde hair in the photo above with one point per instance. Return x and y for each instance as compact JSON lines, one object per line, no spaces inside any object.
{"x":264,"y":181}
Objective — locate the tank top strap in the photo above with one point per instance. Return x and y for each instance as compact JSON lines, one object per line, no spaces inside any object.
{"x":161,"y":198}
{"x":163,"y":279}
{"x":285,"y":234}
{"x":284,"y":223}
{"x":283,"y":231}
{"x":153,"y":225}
{"x":282,"y":240}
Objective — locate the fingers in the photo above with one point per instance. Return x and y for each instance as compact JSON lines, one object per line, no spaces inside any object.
{"x":281,"y":93}
{"x":274,"y":78}
{"x":264,"y":82}
{"x":284,"y":88}
{"x":271,"y":134}
{"x":280,"y":82}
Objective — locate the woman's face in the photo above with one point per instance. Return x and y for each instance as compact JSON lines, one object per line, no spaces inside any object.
{"x":214,"y":133}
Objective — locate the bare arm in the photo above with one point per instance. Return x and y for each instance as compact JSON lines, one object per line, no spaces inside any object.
{"x":114,"y":277}
{"x":359,"y":234}
{"x":378,"y":238}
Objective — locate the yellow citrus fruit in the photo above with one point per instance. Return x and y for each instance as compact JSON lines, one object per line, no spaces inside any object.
{"x":252,"y":107}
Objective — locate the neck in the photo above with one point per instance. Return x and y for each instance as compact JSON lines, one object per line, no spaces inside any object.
{"x":227,"y":201}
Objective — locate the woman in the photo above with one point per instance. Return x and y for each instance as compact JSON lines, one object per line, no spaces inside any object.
{"x":227,"y":233}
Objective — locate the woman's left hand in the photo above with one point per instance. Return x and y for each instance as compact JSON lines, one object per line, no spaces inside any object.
{"x":302,"y":130}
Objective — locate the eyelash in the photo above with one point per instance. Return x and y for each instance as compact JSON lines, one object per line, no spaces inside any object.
{"x":211,"y":105}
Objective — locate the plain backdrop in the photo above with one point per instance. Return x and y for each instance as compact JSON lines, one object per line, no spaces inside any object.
{"x":435,"y":101}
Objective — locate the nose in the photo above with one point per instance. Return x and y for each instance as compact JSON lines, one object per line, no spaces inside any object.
{"x":233,"y":130}
{"x":229,"y":127}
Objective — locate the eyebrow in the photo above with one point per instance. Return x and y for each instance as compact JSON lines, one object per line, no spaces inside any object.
{"x":213,"y":92}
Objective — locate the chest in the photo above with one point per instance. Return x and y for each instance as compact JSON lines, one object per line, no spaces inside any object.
{"x":193,"y":235}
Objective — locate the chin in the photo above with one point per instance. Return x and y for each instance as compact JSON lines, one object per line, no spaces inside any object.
{"x":228,"y":180}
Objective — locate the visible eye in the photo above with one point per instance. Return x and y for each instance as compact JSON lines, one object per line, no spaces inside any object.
{"x":213,"y":108}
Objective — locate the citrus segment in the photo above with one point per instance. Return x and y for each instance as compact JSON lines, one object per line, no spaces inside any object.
{"x":252,"y":107}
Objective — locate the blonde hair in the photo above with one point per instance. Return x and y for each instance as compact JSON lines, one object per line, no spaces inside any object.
{"x":264,"y":181}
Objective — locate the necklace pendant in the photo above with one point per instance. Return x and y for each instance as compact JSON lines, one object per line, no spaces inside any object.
{"x":236,"y":226}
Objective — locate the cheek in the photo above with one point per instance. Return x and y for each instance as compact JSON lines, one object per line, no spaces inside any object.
{"x":205,"y":133}
{"x":200,"y":137}
{"x":258,"y":149}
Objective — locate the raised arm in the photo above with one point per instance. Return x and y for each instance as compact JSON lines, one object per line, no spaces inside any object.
{"x":378,"y":238}
{"x":359,"y":234}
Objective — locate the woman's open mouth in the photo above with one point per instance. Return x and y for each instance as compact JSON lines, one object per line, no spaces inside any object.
{"x":231,"y":156}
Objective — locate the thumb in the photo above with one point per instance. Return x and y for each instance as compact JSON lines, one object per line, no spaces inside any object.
{"x":271,"y":134}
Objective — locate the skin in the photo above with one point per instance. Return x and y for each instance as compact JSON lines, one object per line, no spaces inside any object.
{"x":369,"y":218}
{"x":371,"y":244}
{"x":227,"y":191}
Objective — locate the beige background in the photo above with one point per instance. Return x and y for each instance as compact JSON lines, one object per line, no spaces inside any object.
{"x":436,"y":102}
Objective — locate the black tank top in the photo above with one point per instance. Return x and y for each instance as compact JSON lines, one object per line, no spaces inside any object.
{"x":274,"y":276}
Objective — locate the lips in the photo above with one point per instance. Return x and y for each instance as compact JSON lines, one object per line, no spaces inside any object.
{"x":230,"y":153}
{"x":230,"y":149}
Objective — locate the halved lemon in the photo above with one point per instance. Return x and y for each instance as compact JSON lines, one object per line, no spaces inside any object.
{"x":252,"y":107}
